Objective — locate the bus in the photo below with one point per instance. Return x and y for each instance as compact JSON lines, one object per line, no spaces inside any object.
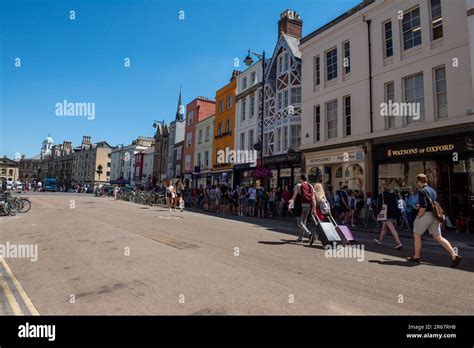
{"x":49,"y":184}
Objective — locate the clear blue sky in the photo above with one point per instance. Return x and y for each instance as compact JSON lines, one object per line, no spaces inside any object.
{"x":82,"y":60}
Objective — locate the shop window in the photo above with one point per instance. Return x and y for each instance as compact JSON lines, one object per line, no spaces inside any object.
{"x":315,"y":175}
{"x":338,"y":174}
{"x":354,"y":177}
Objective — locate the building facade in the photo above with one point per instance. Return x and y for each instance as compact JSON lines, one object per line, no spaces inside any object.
{"x":282,"y":103}
{"x":88,"y":160}
{"x":224,"y":132}
{"x":123,"y":160}
{"x":203,"y":151}
{"x":376,"y":123}
{"x":9,"y":170}
{"x":196,"y":111}
{"x":178,"y":160}
{"x":246,"y":130}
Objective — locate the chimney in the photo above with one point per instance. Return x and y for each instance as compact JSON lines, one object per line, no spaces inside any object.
{"x":291,"y":24}
{"x":235,"y":73}
{"x":86,"y":140}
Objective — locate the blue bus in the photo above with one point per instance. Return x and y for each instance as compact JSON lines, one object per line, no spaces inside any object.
{"x":49,"y":184}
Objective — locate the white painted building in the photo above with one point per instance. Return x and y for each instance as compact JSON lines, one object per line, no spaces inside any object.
{"x":420,"y":56}
{"x":203,"y":149}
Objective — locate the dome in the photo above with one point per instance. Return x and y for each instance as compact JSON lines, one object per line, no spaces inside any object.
{"x":48,"y":140}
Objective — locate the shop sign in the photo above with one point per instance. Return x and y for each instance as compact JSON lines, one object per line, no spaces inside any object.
{"x":348,"y":156}
{"x":441,"y":147}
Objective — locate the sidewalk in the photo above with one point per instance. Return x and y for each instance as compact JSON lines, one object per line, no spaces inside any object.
{"x":462,"y":239}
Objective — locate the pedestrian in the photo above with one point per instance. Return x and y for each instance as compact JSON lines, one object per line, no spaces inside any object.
{"x":242,"y":201}
{"x":260,"y":202}
{"x":426,"y":220}
{"x":352,"y":206}
{"x":412,"y":204}
{"x":388,"y":212}
{"x":371,"y":206}
{"x":285,"y":196}
{"x":305,"y":193}
{"x":252,"y":200}
{"x":179,"y":195}
{"x":212,"y":195}
{"x":218,"y":190}
{"x":321,"y":208}
{"x":271,"y":201}
{"x":170,"y":194}
{"x":116,"y":191}
{"x":402,"y":205}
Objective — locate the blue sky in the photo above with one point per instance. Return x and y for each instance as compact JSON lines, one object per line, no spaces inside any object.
{"x":83,"y":60}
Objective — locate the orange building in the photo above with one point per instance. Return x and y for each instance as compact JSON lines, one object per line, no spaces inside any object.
{"x":224,"y":122}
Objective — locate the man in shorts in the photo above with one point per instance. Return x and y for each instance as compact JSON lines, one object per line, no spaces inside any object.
{"x":426,"y":220}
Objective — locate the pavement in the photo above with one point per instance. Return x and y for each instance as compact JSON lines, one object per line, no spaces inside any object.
{"x":98,"y":256}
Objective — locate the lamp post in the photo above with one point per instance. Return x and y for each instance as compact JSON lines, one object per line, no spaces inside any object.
{"x":249,"y":61}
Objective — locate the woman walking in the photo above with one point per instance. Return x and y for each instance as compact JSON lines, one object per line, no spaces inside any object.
{"x":179,"y":194}
{"x":387,"y":205}
{"x":170,"y":195}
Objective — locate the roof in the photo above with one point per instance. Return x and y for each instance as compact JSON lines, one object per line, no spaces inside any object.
{"x":337,"y":20}
{"x":6,"y":160}
{"x":293,"y":44}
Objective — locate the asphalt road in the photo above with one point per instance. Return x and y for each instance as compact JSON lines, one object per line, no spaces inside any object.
{"x":97,"y":256}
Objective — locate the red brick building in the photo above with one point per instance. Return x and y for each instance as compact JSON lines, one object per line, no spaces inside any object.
{"x":196,"y":111}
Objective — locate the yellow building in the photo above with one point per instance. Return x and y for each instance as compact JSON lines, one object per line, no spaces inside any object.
{"x":224,"y":122}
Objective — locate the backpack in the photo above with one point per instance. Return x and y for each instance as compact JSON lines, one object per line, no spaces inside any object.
{"x":324,"y":207}
{"x":306,"y":191}
{"x":437,"y":211}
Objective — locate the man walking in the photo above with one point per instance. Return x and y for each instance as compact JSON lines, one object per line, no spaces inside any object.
{"x":426,"y":220}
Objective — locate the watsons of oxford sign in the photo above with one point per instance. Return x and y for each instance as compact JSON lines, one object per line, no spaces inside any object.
{"x":420,"y":150}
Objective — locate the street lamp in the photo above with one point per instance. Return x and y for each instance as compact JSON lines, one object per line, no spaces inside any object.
{"x":249,"y":61}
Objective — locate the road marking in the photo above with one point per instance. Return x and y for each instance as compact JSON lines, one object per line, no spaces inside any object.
{"x":20,"y":289}
{"x":10,"y":298}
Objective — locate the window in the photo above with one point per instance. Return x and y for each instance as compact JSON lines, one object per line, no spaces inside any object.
{"x":208,"y":133}
{"x":278,"y":146}
{"x":285,"y":99}
{"x":280,"y":63}
{"x":287,"y":61}
{"x":295,"y":136}
{"x":414,"y":94}
{"x":227,"y":128}
{"x":331,"y":64}
{"x":436,"y":20}
{"x":179,"y":153}
{"x":253,"y":77}
{"x":347,"y":115}
{"x":265,"y":144}
{"x":251,"y":139}
{"x":389,"y":97}
{"x":229,"y":102}
{"x":189,"y":139}
{"x":388,"y":39}
{"x":242,"y":141}
{"x":199,"y":160}
{"x":316,"y":71}
{"x":190,"y":117}
{"x":411,"y":29}
{"x":331,"y":119}
{"x":295,"y":95}
{"x":252,"y":105}
{"x":279,"y":100}
{"x":219,"y":129}
{"x":244,"y":107}
{"x":200,"y":136}
{"x":244,"y":83}
{"x":317,"y":122}
{"x":346,"y":62}
{"x":221,"y":106}
{"x":178,"y":170}
{"x":187,"y":163}
{"x":206,"y":159}
{"x":441,"y":98}
{"x":285,"y":139}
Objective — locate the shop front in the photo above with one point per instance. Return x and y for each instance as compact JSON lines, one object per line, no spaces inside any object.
{"x":447,"y":161}
{"x":286,"y":169}
{"x":337,"y":168}
{"x":223,"y":177}
{"x":243,"y":175}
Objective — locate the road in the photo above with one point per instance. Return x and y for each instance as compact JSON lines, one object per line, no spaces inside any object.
{"x":97,"y":256}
